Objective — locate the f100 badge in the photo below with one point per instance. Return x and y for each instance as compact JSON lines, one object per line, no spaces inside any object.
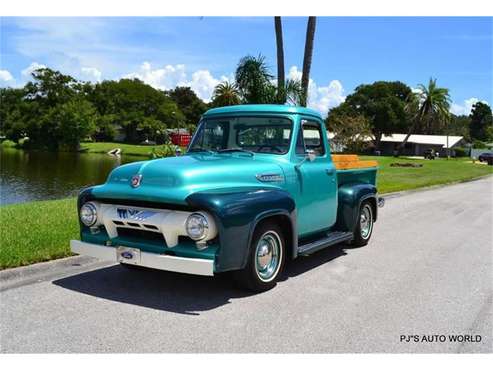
{"x":134,"y":214}
{"x":270,"y":177}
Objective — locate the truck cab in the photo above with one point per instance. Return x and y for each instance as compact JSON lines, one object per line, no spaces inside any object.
{"x":257,"y":187}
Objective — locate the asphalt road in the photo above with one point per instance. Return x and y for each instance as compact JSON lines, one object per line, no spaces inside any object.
{"x":427,"y":271}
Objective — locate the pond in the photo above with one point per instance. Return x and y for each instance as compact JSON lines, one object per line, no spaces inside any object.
{"x":37,"y":175}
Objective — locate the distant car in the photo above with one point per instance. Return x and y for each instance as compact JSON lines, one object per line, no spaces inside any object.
{"x":486,"y":157}
{"x":430,"y":154}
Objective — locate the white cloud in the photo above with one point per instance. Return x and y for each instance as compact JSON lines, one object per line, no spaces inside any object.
{"x":91,"y":73}
{"x":465,"y":108}
{"x":32,"y":67}
{"x":6,"y":78}
{"x":202,"y":82}
{"x":321,"y":98}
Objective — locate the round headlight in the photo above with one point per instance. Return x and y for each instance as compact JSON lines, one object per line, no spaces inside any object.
{"x":197,"y":226}
{"x":88,"y":214}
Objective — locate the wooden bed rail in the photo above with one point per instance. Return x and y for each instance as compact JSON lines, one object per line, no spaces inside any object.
{"x":351,"y":161}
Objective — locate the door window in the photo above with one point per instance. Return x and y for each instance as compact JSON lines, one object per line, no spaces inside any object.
{"x":310,"y":138}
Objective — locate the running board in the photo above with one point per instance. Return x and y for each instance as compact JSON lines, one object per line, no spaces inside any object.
{"x":331,"y":239}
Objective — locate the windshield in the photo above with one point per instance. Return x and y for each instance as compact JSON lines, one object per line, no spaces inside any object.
{"x":250,"y":134}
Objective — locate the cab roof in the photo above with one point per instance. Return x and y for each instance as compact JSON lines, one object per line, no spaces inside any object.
{"x":262,"y":108}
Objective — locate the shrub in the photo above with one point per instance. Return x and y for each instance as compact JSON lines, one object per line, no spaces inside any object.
{"x":461,"y":152}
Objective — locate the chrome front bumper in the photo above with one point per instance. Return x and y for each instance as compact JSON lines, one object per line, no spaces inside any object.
{"x":195,"y":266}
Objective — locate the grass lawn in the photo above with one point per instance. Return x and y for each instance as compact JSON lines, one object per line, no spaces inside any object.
{"x":438,"y":171}
{"x":127,"y":149}
{"x":40,"y":231}
{"x":36,"y":231}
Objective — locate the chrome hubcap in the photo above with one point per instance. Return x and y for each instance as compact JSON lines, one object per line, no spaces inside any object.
{"x":366,"y":221}
{"x":268,"y":256}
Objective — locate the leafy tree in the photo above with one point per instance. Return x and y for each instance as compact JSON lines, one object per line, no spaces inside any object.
{"x":458,"y":126}
{"x":307,"y":58}
{"x":350,"y":132}
{"x":153,"y":129}
{"x":189,"y":103}
{"x":72,"y":122}
{"x":225,"y":94}
{"x":130,"y":102}
{"x":481,"y":127}
{"x":12,"y":105}
{"x":105,"y":128}
{"x":50,"y":87}
{"x":382,"y":104}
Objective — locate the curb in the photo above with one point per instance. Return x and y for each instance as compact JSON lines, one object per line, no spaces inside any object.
{"x":43,"y":268}
{"x":397,"y":194}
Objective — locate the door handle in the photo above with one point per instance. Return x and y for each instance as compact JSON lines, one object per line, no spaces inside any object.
{"x":329,"y":171}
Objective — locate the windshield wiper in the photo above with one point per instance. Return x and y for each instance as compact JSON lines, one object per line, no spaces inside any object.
{"x":231,"y":150}
{"x":198,"y":150}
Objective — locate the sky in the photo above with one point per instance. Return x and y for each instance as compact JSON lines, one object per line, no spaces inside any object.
{"x":200,"y":52}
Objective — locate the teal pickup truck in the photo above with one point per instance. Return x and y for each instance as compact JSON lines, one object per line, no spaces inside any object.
{"x":257,"y":187}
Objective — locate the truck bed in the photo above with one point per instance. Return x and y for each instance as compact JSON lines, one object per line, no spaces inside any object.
{"x":350,"y":169}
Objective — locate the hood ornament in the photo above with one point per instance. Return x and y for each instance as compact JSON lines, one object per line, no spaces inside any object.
{"x":136,"y":181}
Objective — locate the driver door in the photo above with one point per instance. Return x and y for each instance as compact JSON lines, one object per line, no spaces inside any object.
{"x":317,"y":200}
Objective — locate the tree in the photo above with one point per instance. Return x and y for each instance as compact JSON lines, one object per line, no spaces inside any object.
{"x":429,"y":109}
{"x":12,"y":106}
{"x":132,"y":101}
{"x":255,"y":85}
{"x":253,"y":80}
{"x":382,"y":103}
{"x":189,"y":103}
{"x":281,"y":94}
{"x":72,"y":122}
{"x":307,"y":58}
{"x":225,"y":94}
{"x":458,"y":126}
{"x":481,"y":127}
{"x":351,"y":133}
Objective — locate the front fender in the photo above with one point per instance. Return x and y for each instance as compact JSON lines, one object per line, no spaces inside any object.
{"x":237,"y":213}
{"x":350,"y":197}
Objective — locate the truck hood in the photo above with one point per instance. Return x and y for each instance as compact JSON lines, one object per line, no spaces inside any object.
{"x":173,"y":179}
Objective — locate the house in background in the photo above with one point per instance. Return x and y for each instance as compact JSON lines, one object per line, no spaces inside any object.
{"x":416,"y":145}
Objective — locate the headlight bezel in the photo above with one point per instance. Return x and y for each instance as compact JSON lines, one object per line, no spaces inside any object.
{"x":93,"y":211}
{"x":204,"y":224}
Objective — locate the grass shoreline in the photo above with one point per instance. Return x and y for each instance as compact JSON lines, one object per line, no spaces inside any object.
{"x":134,"y":150}
{"x":40,"y":231}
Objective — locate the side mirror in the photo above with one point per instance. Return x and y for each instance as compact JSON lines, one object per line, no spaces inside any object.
{"x":310,"y":155}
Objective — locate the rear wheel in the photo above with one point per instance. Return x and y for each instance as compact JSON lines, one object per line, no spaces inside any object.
{"x":364,"y":227}
{"x":265,"y":260}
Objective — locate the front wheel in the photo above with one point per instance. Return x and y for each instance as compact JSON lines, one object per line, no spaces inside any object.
{"x":265,"y":260}
{"x":364,"y":227}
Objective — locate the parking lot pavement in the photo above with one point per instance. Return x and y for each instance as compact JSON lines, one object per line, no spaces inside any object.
{"x":426,"y":274}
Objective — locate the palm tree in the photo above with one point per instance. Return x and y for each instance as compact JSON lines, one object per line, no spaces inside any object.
{"x":307,"y":58}
{"x":254,"y":85}
{"x":428,"y":109}
{"x":280,"y":62}
{"x":224,"y":94}
{"x":253,"y":80}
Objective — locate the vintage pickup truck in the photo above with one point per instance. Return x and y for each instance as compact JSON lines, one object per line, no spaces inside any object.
{"x":257,"y":187}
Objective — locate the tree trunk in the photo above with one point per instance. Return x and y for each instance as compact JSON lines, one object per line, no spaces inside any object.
{"x":409,"y":133}
{"x":281,"y":83}
{"x":307,"y":59}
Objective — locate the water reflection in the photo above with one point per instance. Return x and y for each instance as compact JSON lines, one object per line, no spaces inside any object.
{"x":38,"y":175}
